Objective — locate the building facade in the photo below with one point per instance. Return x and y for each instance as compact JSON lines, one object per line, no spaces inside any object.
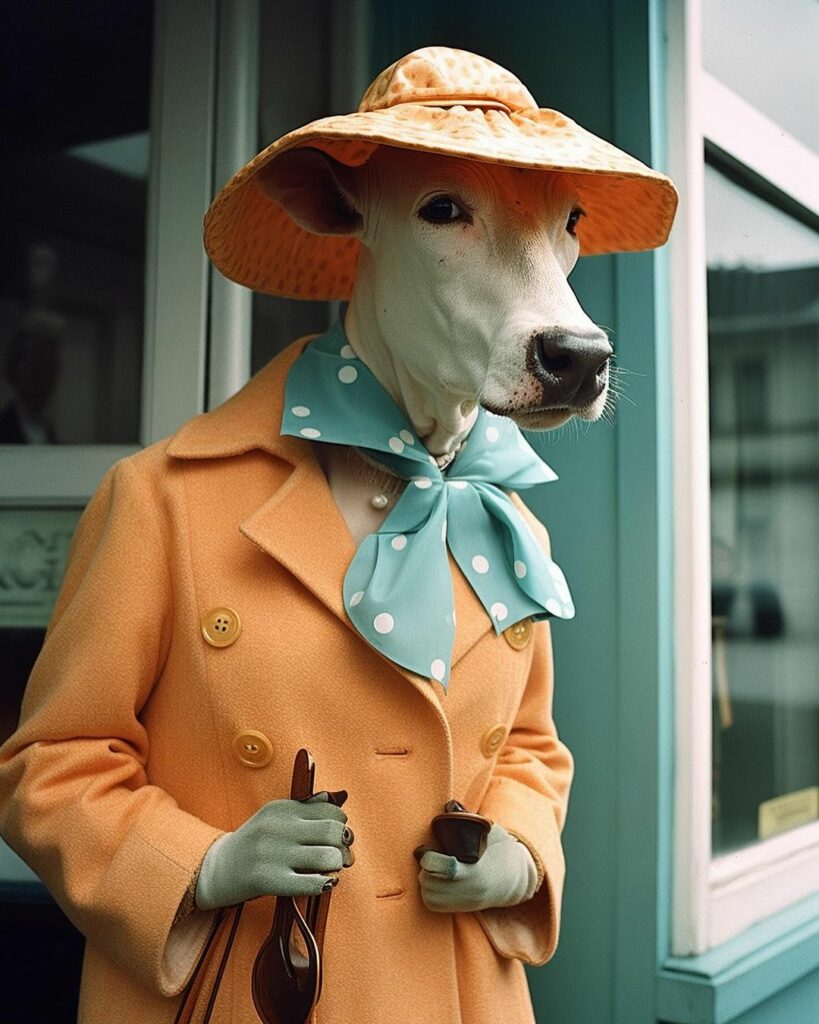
{"x":688,"y":684}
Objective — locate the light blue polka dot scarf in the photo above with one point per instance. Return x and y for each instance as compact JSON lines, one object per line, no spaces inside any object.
{"x":398,"y":588}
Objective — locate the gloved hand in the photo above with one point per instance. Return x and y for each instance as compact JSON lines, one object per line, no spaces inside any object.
{"x":504,"y":876}
{"x":280,"y":851}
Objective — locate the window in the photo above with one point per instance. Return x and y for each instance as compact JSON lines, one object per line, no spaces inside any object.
{"x":763,"y":339}
{"x":745,"y":270}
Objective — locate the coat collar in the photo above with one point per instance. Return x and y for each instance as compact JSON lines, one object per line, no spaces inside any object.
{"x":300,"y":525}
{"x":247,"y":421}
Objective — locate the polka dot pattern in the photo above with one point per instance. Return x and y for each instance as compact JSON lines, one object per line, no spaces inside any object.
{"x":396,"y":444}
{"x":438,"y":669}
{"x":499,"y":611}
{"x":480,"y":563}
{"x":398,"y":543}
{"x":348,"y":374}
{"x":310,"y":432}
{"x":437,"y":100}
{"x":384,"y":623}
{"x":520,"y":570}
{"x":300,"y":410}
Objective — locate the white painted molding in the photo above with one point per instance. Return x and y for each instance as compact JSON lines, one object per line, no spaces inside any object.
{"x":760,"y":880}
{"x":53,"y":475}
{"x":235,"y":142}
{"x":756,"y":141}
{"x":176,"y":272}
{"x":692,"y":845}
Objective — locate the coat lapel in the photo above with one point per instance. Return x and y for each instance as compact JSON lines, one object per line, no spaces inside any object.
{"x":302,"y":528}
{"x":300,"y":525}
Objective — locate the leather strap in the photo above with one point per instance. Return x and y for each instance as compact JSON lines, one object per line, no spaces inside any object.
{"x":196,"y":1007}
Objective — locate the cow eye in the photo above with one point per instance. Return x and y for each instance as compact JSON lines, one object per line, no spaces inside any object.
{"x":441,"y":210}
{"x":574,"y":217}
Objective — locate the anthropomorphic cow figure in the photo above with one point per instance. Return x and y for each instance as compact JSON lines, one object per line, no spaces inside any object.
{"x":337,"y":559}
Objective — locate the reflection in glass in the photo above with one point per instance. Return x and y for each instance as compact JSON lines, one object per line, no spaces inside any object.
{"x":766,"y":53}
{"x":74,"y":169}
{"x":763,"y":284}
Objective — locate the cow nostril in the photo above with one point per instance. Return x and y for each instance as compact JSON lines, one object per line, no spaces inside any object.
{"x":552,"y":357}
{"x":557,"y":363}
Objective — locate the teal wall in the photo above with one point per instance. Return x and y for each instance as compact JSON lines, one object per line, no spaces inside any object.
{"x":798,"y":1004}
{"x":610,"y":517}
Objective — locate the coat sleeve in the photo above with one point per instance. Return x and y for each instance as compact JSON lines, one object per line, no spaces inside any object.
{"x":528,"y":795}
{"x":117,"y":853}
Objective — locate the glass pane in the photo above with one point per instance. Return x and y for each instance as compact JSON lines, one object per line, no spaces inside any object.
{"x":763,"y":282}
{"x":296,"y":45}
{"x":74,"y":169}
{"x":765,"y":50}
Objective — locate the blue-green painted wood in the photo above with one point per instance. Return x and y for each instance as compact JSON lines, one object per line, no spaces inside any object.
{"x":798,"y":1004}
{"x":698,"y":1001}
{"x":749,"y":971}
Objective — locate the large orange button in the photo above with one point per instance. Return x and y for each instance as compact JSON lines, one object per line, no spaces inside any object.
{"x":492,"y":740}
{"x":221,"y":627}
{"x":519,"y":635}
{"x":253,"y":748}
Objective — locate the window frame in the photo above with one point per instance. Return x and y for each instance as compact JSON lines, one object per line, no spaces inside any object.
{"x":715,"y":898}
{"x":176,"y":291}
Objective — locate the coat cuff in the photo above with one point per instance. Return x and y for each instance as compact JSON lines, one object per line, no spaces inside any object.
{"x":528,"y":931}
{"x":157,"y":944}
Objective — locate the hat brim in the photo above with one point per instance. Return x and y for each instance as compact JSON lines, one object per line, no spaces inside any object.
{"x":252,"y":240}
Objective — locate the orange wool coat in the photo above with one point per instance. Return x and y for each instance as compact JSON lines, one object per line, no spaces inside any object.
{"x":129,"y":761}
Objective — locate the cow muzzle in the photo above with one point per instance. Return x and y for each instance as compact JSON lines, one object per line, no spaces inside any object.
{"x":572,"y":368}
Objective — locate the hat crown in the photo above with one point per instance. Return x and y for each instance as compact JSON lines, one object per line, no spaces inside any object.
{"x":439,"y":75}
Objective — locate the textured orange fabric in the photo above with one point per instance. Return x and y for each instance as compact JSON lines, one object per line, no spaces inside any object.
{"x":436,"y":100}
{"x":123,"y":769}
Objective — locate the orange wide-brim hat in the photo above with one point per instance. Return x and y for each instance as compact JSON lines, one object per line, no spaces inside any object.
{"x":435,"y":100}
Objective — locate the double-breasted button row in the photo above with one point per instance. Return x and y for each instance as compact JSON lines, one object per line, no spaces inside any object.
{"x":253,"y":748}
{"x":221,"y":627}
{"x":519,"y":635}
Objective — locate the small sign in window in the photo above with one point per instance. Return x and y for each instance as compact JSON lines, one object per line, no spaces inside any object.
{"x":788,"y":811}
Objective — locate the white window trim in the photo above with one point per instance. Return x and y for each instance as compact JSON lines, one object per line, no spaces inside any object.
{"x":714,"y":899}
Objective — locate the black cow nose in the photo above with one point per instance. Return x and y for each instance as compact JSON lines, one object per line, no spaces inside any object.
{"x":573,"y":366}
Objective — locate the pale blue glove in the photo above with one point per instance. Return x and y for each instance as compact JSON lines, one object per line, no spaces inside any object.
{"x":282,"y":850}
{"x":504,"y":876}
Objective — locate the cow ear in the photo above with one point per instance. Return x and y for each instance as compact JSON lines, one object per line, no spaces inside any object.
{"x":317,"y":191}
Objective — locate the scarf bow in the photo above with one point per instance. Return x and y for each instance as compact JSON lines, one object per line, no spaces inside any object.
{"x":398,"y":588}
